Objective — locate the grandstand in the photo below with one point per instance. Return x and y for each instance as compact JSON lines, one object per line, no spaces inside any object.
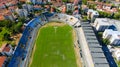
{"x":23,"y":51}
{"x":95,"y":52}
{"x":25,"y":46}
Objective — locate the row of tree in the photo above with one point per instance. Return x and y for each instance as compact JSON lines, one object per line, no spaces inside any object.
{"x":109,"y":15}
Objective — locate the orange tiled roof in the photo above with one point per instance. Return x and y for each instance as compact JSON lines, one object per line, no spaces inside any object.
{"x":6,"y":48}
{"x":2,"y":17}
{"x":37,"y":6}
{"x":2,"y":60}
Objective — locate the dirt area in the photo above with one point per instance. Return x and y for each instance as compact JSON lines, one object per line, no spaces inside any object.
{"x":33,"y":51}
{"x":17,"y":38}
{"x":32,"y":55}
{"x":55,"y":24}
{"x":77,"y":49}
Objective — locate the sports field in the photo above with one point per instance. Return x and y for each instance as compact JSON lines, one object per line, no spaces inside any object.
{"x":54,"y":47}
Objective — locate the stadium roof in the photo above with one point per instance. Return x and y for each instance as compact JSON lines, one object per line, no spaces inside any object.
{"x":95,"y":48}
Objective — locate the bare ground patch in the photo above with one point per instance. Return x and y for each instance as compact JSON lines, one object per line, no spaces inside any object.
{"x":32,"y":55}
{"x":31,"y":59}
{"x":54,"y":24}
{"x":77,"y":50}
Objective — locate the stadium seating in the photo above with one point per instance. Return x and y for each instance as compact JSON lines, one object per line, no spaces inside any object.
{"x":24,"y":44}
{"x":22,"y":53}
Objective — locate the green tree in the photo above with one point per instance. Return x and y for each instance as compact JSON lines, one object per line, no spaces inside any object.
{"x":17,"y":27}
{"x":65,"y":0}
{"x":104,"y":14}
{"x":106,"y":41}
{"x":30,"y":3}
{"x":6,"y":36}
{"x":84,"y":1}
{"x":116,"y":16}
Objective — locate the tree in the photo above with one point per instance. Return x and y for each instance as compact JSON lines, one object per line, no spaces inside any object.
{"x":6,"y":36}
{"x":30,"y":3}
{"x":104,"y":14}
{"x":84,"y":1}
{"x":92,"y":6}
{"x":65,"y":0}
{"x":116,"y":16}
{"x":100,"y":34}
{"x":69,"y":12}
{"x":106,"y":41}
{"x":17,"y":27}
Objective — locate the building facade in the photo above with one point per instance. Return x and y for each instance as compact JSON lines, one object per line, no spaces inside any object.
{"x":117,"y":54}
{"x":22,"y":12}
{"x":112,"y":36}
{"x":101,"y":24}
{"x":92,"y":15}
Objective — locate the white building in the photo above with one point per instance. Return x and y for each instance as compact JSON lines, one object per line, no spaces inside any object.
{"x":28,"y":7}
{"x":115,"y":39}
{"x":9,"y":16}
{"x":117,"y":54}
{"x":38,"y":1}
{"x":92,"y":14}
{"x":113,"y":36}
{"x":70,"y":7}
{"x":107,"y":33}
{"x":49,"y":0}
{"x":101,"y":24}
{"x":22,"y":12}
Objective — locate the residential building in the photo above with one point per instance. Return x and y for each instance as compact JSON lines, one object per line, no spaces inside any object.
{"x":92,"y":14}
{"x":76,"y":12}
{"x":2,"y":61}
{"x":33,"y":1}
{"x":22,"y":12}
{"x":49,"y":0}
{"x":38,"y":1}
{"x":75,"y":2}
{"x":107,"y":33}
{"x":28,"y":7}
{"x":85,"y":8}
{"x":104,"y":23}
{"x":28,"y":1}
{"x":6,"y":50}
{"x":112,"y":36}
{"x":1,"y":17}
{"x":70,"y":6}
{"x":117,"y":54}
{"x":101,"y":25}
{"x":101,"y":6}
{"x":9,"y":16}
{"x":37,"y":7}
{"x":63,"y":9}
{"x":12,"y":8}
{"x":115,"y":39}
{"x":117,"y":0}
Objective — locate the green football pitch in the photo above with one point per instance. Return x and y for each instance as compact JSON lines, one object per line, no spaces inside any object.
{"x":54,"y":47}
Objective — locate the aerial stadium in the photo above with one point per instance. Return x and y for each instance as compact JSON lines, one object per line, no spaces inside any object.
{"x":55,"y":40}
